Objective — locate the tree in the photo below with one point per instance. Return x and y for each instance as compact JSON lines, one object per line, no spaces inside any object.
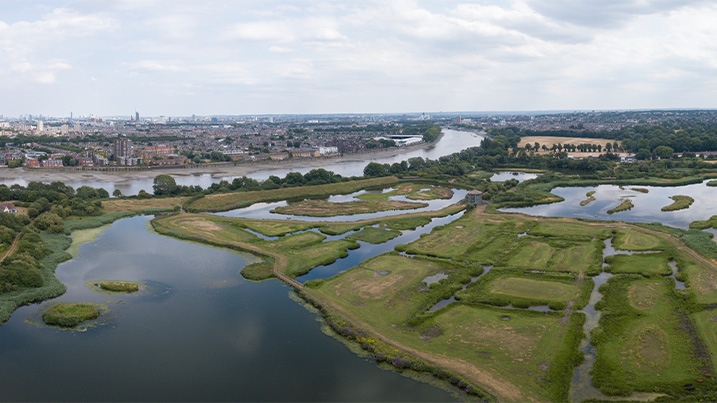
{"x":643,"y":154}
{"x":664,"y":151}
{"x":376,"y":169}
{"x":164,"y":185}
{"x":117,"y":193}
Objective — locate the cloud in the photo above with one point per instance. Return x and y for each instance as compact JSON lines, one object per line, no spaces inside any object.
{"x":324,"y":56}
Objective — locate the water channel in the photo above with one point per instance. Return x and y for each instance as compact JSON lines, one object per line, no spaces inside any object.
{"x":581,"y":385}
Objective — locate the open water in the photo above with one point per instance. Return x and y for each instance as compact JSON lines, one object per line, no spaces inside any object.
{"x":199,"y":332}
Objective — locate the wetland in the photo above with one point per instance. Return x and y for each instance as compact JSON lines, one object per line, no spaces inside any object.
{"x":541,"y":303}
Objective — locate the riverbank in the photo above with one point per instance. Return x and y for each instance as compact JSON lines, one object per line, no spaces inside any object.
{"x":219,"y":170}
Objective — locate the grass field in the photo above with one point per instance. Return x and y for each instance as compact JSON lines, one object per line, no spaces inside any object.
{"x":532,"y":255}
{"x":524,"y":289}
{"x":510,"y":347}
{"x":126,"y":205}
{"x":228,"y":201}
{"x":323,"y":208}
{"x":636,"y":241}
{"x":375,"y":235}
{"x":653,"y":264}
{"x":274,"y":227}
{"x":534,"y":289}
{"x":642,"y":341}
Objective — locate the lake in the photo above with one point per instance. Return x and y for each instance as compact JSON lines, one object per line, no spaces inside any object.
{"x":200,"y":332}
{"x":647,"y":205}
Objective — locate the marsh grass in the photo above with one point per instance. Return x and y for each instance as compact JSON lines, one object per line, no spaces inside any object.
{"x":680,"y":203}
{"x":374,"y":235}
{"x":119,"y":286}
{"x":644,"y":350}
{"x":624,"y":206}
{"x":323,"y":208}
{"x":70,"y":314}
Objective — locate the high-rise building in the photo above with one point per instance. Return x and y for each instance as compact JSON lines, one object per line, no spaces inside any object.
{"x":122,"y":150}
{"x":136,"y":116}
{"x":40,"y":125}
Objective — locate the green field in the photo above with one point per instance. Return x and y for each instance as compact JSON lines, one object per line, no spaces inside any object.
{"x":228,"y":201}
{"x":642,"y":342}
{"x":653,"y":264}
{"x":374,"y":235}
{"x":636,"y":241}
{"x":510,"y":347}
{"x":524,"y":289}
{"x":323,"y":208}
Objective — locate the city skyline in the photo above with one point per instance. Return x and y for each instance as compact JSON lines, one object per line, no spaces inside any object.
{"x":305,"y":57}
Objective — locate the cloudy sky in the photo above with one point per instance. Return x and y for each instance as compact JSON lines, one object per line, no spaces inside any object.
{"x":207,"y":57}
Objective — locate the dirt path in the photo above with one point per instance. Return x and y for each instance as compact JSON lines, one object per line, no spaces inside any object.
{"x":12,"y":249}
{"x":498,"y":387}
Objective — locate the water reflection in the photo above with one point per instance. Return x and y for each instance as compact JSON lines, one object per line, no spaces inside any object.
{"x":519,"y":176}
{"x":646,"y":205}
{"x":186,"y":338}
{"x":263,"y":210}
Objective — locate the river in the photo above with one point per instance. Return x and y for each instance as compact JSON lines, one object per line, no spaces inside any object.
{"x":130,"y":183}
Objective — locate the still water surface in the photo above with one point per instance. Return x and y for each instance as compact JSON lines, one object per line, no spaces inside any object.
{"x":647,"y":205}
{"x":198,"y":333}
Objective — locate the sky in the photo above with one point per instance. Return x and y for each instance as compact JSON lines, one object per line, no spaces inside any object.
{"x":178,"y":57}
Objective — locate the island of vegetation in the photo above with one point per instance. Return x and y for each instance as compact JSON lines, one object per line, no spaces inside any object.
{"x":680,"y":202}
{"x":70,"y":314}
{"x":624,"y":206}
{"x":117,"y":286}
{"x":497,"y":304}
{"x":590,"y":198}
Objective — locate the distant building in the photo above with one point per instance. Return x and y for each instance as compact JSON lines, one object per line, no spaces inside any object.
{"x":122,"y":150}
{"x":328,"y":150}
{"x":51,"y":163}
{"x":474,"y":197}
{"x":8,"y":208}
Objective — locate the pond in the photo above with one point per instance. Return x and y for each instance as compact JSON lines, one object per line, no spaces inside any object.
{"x":646,"y":205}
{"x":508,"y":175}
{"x":198,"y":333}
